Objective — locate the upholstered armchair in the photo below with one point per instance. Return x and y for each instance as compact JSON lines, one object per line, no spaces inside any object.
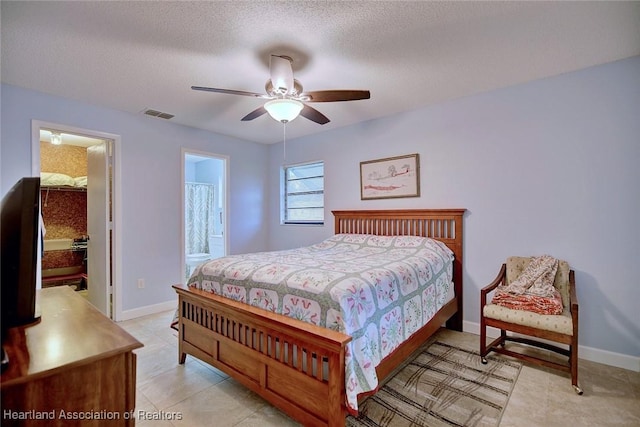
{"x":523,"y":325}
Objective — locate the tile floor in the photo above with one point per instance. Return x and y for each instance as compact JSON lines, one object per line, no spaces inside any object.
{"x":200,"y":395}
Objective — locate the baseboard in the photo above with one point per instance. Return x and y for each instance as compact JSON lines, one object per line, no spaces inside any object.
{"x":609,"y":358}
{"x":149,"y":309}
{"x":587,"y":353}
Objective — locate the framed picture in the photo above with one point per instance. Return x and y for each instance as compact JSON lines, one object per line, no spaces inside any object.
{"x":391,"y":177}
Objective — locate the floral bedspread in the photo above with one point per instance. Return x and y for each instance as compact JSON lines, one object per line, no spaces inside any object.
{"x":377,"y":289}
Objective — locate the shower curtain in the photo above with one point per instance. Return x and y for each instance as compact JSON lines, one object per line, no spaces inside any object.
{"x":199,"y":217}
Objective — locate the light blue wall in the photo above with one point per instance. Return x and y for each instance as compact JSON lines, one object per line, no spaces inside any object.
{"x":150,"y":177}
{"x":209,"y":171}
{"x":212,"y":171}
{"x":190,"y":172}
{"x":545,"y":167}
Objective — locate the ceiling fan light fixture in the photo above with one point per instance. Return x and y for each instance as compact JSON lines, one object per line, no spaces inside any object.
{"x":284,"y":110}
{"x":56,"y":138}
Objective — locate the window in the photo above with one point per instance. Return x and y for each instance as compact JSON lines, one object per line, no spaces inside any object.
{"x":303,"y":194}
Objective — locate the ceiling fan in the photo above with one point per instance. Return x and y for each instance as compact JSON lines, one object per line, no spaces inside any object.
{"x":287,"y":98}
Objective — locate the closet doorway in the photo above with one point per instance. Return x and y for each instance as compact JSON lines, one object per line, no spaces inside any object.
{"x":77,"y":169}
{"x":204,"y":196}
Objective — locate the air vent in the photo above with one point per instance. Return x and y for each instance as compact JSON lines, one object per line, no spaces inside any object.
{"x":156,"y":113}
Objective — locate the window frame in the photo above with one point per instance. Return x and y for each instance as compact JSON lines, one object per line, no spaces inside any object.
{"x":284,"y":210}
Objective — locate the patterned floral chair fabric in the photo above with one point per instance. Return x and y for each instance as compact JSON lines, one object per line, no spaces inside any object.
{"x":561,"y":328}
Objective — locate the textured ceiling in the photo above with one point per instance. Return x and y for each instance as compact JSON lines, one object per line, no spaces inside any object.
{"x":137,"y":55}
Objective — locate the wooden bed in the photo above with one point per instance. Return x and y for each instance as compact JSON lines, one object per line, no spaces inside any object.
{"x":277,"y":356}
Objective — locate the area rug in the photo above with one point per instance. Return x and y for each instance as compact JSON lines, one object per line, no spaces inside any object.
{"x":443,"y":386}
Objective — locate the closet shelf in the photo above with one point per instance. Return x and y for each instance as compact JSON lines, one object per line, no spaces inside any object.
{"x":60,"y":188}
{"x":63,"y":188}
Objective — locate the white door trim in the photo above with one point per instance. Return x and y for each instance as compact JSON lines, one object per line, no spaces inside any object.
{"x":116,"y":201}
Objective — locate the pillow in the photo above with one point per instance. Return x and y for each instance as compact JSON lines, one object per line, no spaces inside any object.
{"x":56,"y":179}
{"x":394,"y":241}
{"x":80,"y":181}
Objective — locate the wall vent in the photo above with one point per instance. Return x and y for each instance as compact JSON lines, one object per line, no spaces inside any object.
{"x":160,"y":114}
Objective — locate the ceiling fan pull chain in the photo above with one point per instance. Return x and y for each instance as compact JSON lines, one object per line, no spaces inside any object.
{"x":284,"y":141}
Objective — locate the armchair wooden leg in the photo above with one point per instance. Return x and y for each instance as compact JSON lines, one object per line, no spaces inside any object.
{"x":573,"y":361}
{"x":483,"y":339}
{"x":493,"y":344}
{"x":486,"y":348}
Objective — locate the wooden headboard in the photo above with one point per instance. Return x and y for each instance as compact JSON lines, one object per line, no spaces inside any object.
{"x":440,"y":224}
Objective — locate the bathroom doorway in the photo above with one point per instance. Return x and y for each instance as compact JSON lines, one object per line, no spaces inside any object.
{"x":204,"y":204}
{"x":78,"y":169}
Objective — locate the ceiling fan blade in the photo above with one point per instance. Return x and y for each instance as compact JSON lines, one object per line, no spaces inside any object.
{"x":254,"y":114}
{"x":314,"y":115}
{"x":335,"y":95}
{"x":231,"y":92}
{"x":281,"y":73}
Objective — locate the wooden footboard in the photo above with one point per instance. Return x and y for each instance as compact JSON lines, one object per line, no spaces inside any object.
{"x":296,"y":366}
{"x":277,"y":356}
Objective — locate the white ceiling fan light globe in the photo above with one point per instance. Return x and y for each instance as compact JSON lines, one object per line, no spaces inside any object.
{"x":284,"y":110}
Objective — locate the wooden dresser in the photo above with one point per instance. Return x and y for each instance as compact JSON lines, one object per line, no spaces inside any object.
{"x":74,"y":367}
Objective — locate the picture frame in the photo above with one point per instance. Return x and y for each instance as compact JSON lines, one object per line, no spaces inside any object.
{"x":391,"y":177}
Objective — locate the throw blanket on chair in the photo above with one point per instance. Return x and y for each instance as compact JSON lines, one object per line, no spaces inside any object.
{"x":533,"y":290}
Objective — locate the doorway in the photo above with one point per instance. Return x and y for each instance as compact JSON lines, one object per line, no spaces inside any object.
{"x":77,"y":169}
{"x":204,"y":225}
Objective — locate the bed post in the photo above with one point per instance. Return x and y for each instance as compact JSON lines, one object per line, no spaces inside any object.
{"x":182,"y":355}
{"x":455,"y":322}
